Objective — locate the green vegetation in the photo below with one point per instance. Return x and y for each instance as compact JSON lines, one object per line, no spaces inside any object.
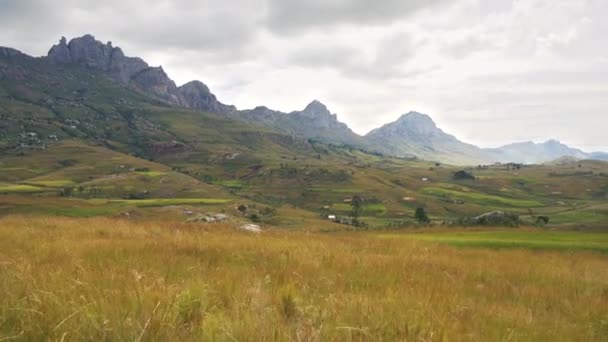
{"x":551,"y":240}
{"x":52,"y":183}
{"x":151,"y":173}
{"x":371,"y":209}
{"x":92,"y":138}
{"x":480,"y":198}
{"x":18,"y":188}
{"x":159,"y":202}
{"x":421,"y":216}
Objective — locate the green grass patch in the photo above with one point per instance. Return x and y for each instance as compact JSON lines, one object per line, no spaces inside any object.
{"x":19,"y":188}
{"x":482,"y":199}
{"x":52,"y":183}
{"x":578,"y":217}
{"x":89,"y":211}
{"x":368,"y":209}
{"x":564,"y":240}
{"x":152,"y":173}
{"x":161,"y":202}
{"x":336,"y":190}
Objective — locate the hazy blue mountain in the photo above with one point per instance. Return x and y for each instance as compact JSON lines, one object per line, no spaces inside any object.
{"x":599,"y":156}
{"x":532,"y":153}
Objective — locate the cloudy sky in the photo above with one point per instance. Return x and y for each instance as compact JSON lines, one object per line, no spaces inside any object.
{"x":488,"y":71}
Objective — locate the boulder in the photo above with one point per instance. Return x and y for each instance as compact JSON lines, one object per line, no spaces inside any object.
{"x":209,"y":218}
{"x":202,"y":218}
{"x":499,"y":218}
{"x":253,"y":228}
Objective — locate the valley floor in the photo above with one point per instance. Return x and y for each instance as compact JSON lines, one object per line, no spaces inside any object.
{"x":112,"y":279}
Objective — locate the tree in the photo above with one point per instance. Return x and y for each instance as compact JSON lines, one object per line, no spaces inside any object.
{"x":421,"y":216}
{"x":357,"y":206}
{"x":462,"y":175}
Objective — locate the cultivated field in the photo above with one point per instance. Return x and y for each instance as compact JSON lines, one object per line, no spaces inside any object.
{"x":111,"y":279}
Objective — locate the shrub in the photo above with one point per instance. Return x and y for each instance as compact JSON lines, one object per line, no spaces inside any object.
{"x":421,"y":216}
{"x":462,"y":175}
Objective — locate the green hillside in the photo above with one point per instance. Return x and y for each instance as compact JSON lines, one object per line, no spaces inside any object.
{"x":71,"y":132}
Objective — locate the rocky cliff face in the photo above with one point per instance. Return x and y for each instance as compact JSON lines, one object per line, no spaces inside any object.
{"x":87,"y":51}
{"x":133,"y":71}
{"x":155,"y":81}
{"x":196,"y":95}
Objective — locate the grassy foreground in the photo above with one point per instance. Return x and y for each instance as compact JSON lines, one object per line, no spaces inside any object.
{"x":110,"y":279}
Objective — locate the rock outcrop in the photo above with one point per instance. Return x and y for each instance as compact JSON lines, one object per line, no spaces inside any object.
{"x":196,"y":95}
{"x":133,"y":71}
{"x":92,"y":53}
{"x":155,"y":81}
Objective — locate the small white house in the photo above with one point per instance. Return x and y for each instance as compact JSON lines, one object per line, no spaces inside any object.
{"x":331,"y":217}
{"x":425,"y":179}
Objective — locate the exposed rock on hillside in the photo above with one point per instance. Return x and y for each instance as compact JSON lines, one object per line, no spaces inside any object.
{"x":197,"y":95}
{"x":88,"y":51}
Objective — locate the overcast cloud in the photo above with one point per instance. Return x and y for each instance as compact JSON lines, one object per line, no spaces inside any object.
{"x":488,"y":71}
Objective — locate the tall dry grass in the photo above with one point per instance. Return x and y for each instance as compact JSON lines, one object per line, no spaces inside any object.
{"x":108,"y":279}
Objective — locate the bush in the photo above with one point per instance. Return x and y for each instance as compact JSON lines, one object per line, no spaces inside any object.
{"x":462,"y":175}
{"x":421,"y":216}
{"x":542,"y":220}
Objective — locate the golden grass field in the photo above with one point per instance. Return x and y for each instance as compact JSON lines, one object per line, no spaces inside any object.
{"x":64,"y":279}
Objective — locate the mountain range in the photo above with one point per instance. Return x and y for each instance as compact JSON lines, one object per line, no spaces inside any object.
{"x":413,"y":135}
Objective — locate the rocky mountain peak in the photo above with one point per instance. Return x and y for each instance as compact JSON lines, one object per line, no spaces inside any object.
{"x":88,"y":51}
{"x":196,"y":86}
{"x":419,"y":122}
{"x":196,"y":95}
{"x":412,"y":124}
{"x":316,"y":109}
{"x":134,"y":71}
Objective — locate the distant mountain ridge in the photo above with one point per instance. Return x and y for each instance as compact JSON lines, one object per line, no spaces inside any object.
{"x":529,"y":152}
{"x":412,"y":135}
{"x":313,"y":122}
{"x":417,"y":134}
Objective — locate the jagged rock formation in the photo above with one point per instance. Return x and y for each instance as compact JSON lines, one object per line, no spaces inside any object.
{"x":87,"y":51}
{"x":133,"y":71}
{"x":156,"y":82}
{"x":198,"y":96}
